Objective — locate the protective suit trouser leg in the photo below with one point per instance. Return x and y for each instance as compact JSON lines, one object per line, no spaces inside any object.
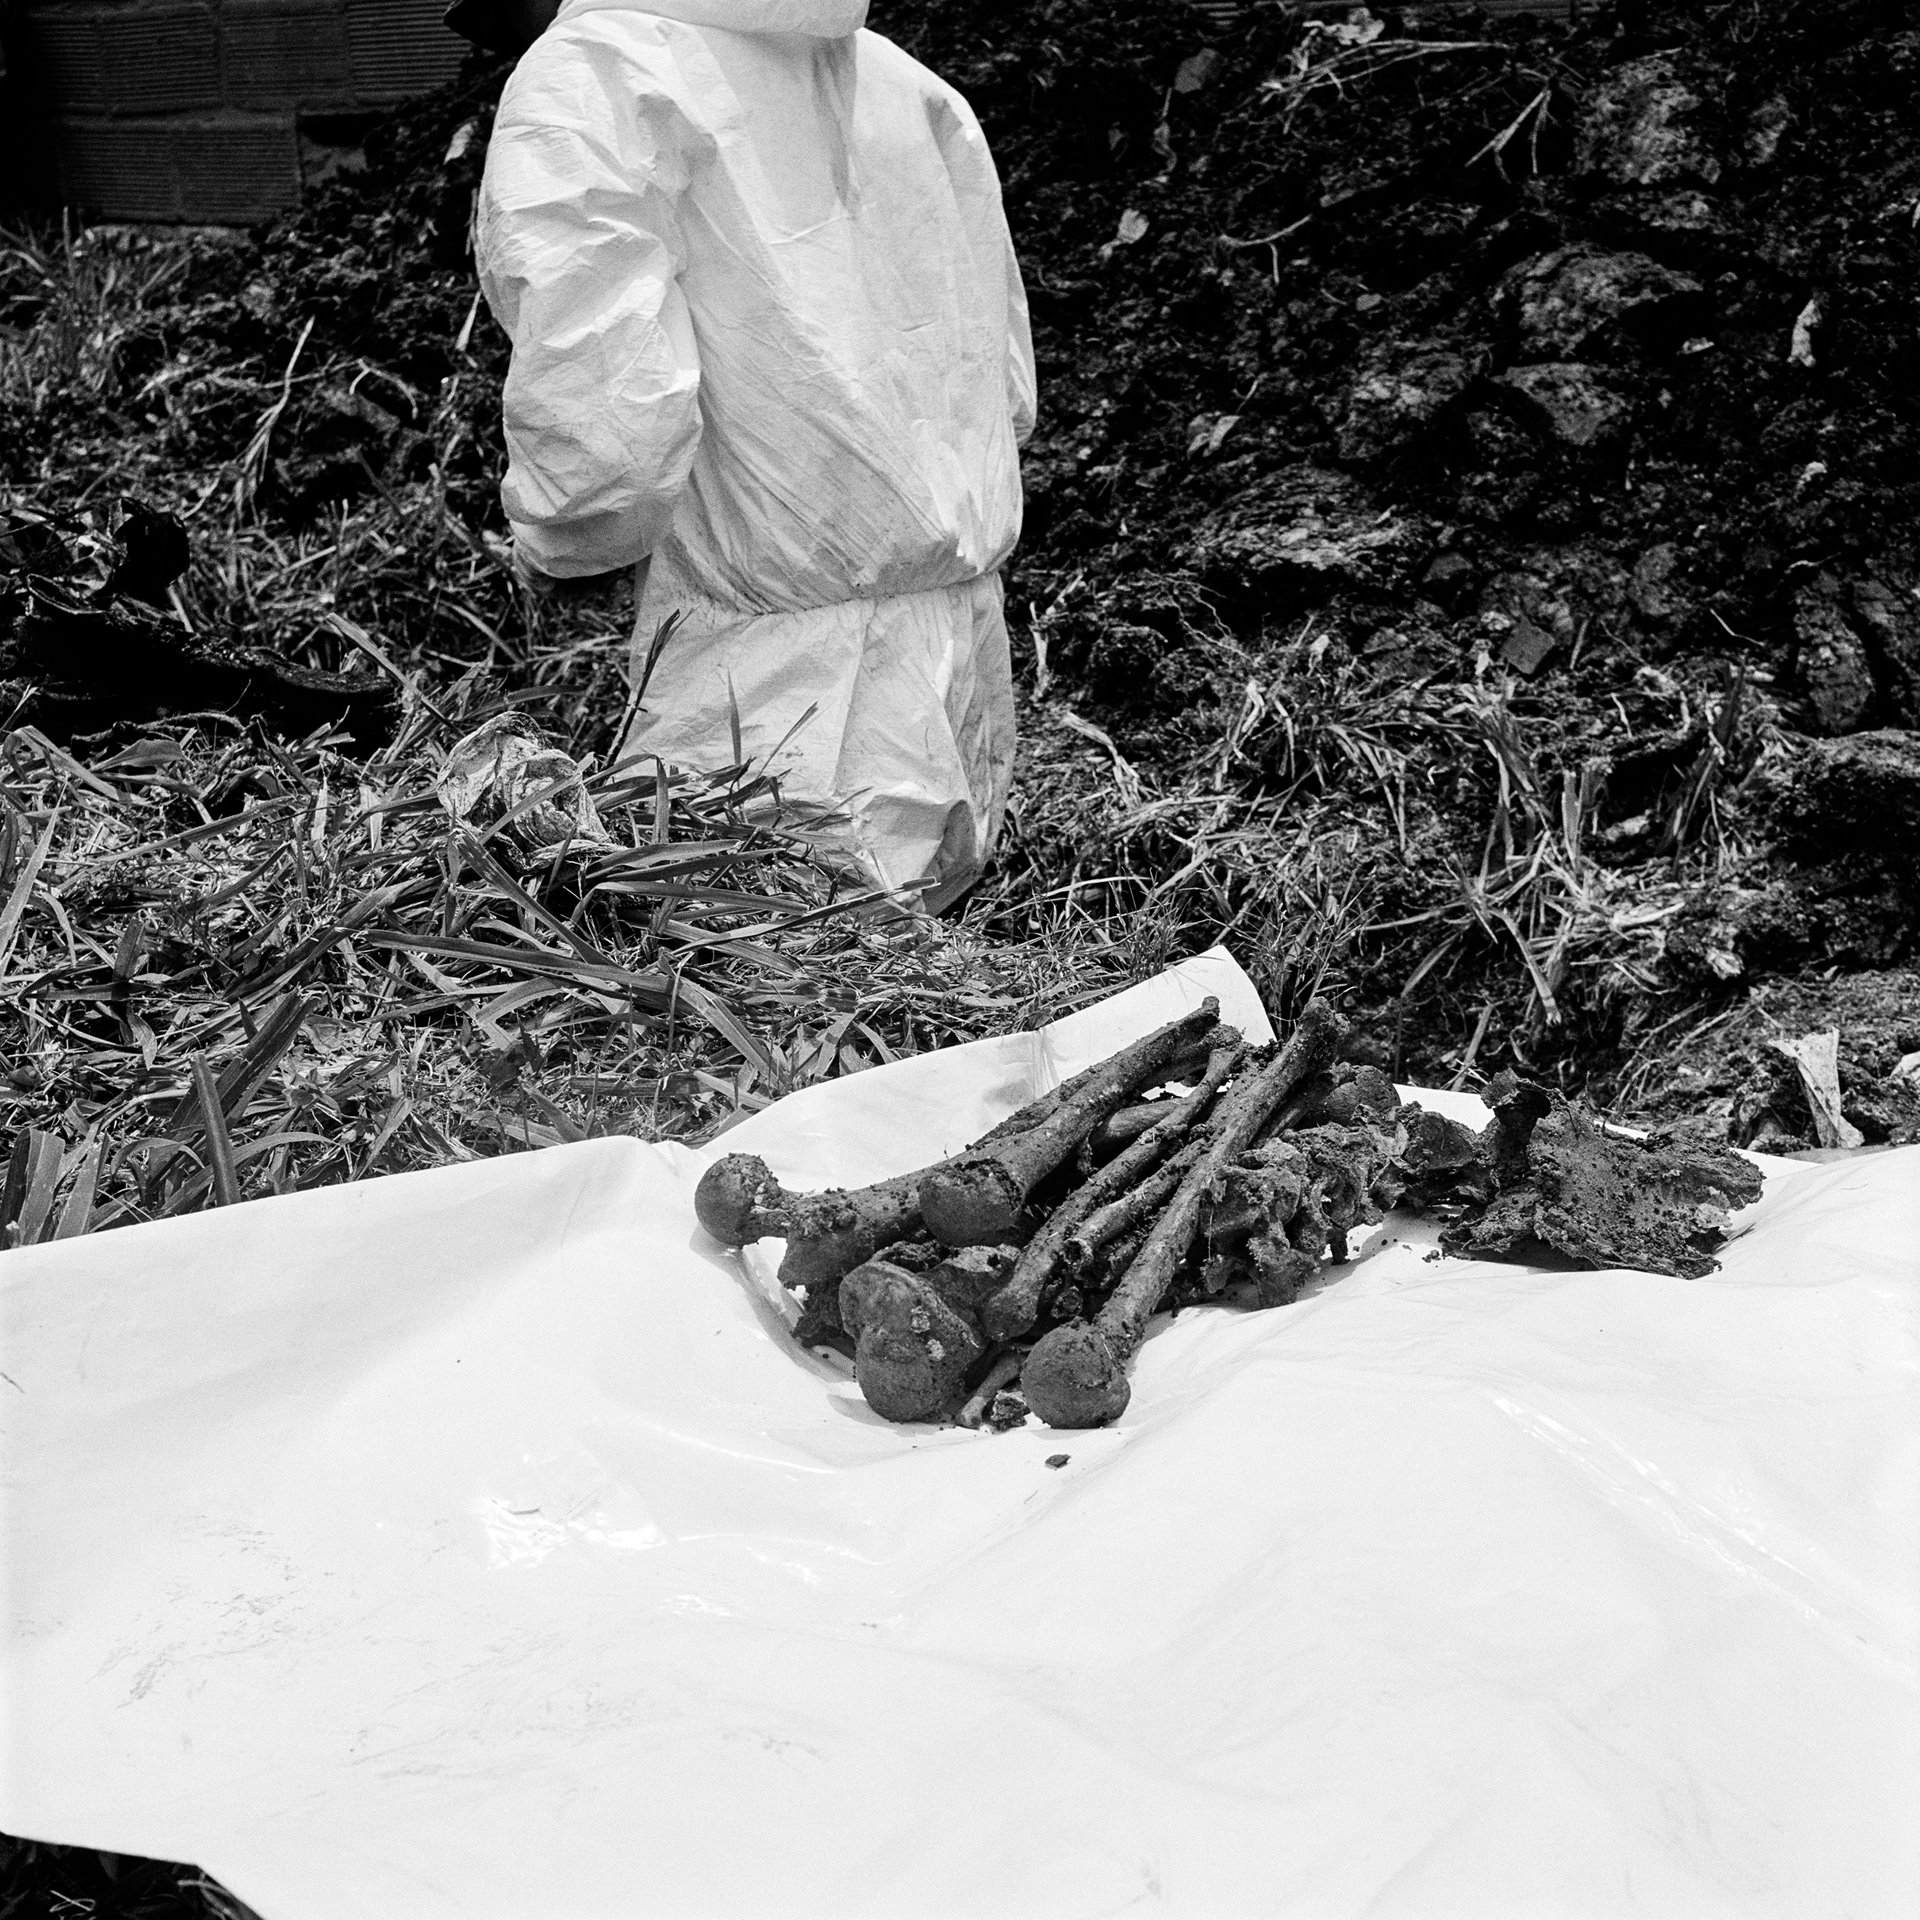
{"x":895,"y":712}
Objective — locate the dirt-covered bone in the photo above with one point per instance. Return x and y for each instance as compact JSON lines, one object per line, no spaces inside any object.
{"x":1076,"y":1375}
{"x":980,"y":1402}
{"x":980,"y":1197}
{"x":1107,"y":1227}
{"x":1280,"y":1268}
{"x":1013,"y":1309}
{"x":963,"y":1277}
{"x":819,"y":1323}
{"x":1123,"y":1128}
{"x":912,"y":1349}
{"x":967,"y":1278}
{"x":1518,"y":1107}
{"x":1254,"y":1186}
{"x":1245,"y":1225}
{"x":739,"y":1200}
{"x":1289,"y":1203}
{"x":1348,"y":1091}
{"x":1341,"y":1163}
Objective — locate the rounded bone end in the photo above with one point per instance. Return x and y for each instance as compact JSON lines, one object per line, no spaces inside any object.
{"x":912,"y":1351}
{"x":1009,"y":1315}
{"x":738,"y":1200}
{"x":974,"y":1204}
{"x":1073,"y":1378}
{"x":899,"y":1379}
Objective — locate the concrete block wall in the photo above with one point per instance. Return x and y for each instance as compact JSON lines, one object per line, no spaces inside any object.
{"x":190,"y":110}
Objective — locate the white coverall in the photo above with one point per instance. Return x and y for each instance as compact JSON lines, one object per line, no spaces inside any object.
{"x":769,"y":337}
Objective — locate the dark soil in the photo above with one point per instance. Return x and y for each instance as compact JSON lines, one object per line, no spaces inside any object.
{"x":1475,"y":488}
{"x":1577,"y":474}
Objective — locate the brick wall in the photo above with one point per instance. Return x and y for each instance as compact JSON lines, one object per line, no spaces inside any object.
{"x":189,"y":110}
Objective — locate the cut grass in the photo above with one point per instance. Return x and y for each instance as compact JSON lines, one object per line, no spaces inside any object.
{"x":233,"y":965}
{"x":240,"y":966}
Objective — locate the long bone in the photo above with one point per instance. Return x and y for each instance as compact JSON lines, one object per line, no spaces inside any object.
{"x":1076,"y":1375}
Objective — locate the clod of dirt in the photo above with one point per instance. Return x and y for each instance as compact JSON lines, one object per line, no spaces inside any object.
{"x":1642,"y":127}
{"x":1302,"y":531}
{"x":1833,"y":658}
{"x":1562,"y":303}
{"x":1570,"y":404}
{"x":1603,"y":1200}
{"x":1653,"y":589}
{"x":1866,"y":786}
{"x":1400,"y":391}
{"x":1007,"y":1411}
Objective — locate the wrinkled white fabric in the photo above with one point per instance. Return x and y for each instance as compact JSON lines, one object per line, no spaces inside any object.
{"x":911,"y":717}
{"x":476,"y":1545}
{"x":770,"y":337}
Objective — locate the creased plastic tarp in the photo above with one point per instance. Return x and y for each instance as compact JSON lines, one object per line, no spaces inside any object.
{"x":473,"y":1543}
{"x":769,"y":335}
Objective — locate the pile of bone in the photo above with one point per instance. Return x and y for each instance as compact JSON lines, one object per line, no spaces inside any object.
{"x":1021,"y":1274}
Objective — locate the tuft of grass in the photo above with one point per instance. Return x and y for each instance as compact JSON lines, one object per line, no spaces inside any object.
{"x":233,"y":964}
{"x":236,"y":966}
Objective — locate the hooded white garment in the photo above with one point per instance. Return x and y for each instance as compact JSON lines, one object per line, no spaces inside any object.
{"x":769,"y":337}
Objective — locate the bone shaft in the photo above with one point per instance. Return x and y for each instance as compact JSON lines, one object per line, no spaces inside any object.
{"x":1014,"y":1308}
{"x":1034,"y":1154}
{"x":1123,"y":1320}
{"x":1108,"y":1223}
{"x":1003,"y":1370}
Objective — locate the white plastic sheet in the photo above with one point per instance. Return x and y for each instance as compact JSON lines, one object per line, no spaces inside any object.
{"x":473,"y":1543}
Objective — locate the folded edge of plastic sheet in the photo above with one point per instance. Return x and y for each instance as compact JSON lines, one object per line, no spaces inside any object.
{"x":474,"y":1543}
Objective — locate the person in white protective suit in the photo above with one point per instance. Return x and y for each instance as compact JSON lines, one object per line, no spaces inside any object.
{"x":770,"y":345}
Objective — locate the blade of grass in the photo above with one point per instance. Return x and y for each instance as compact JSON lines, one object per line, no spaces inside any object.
{"x":198,"y":1188}
{"x":226,"y":1187}
{"x":24,"y":883}
{"x":77,"y":1214}
{"x":397,"y":1116}
{"x":33,"y":1172}
{"x":13,"y":1195}
{"x":243,"y":1078}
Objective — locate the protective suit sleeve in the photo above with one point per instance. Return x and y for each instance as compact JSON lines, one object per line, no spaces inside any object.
{"x":579,"y":250}
{"x":1023,"y":386}
{"x":976,"y":186}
